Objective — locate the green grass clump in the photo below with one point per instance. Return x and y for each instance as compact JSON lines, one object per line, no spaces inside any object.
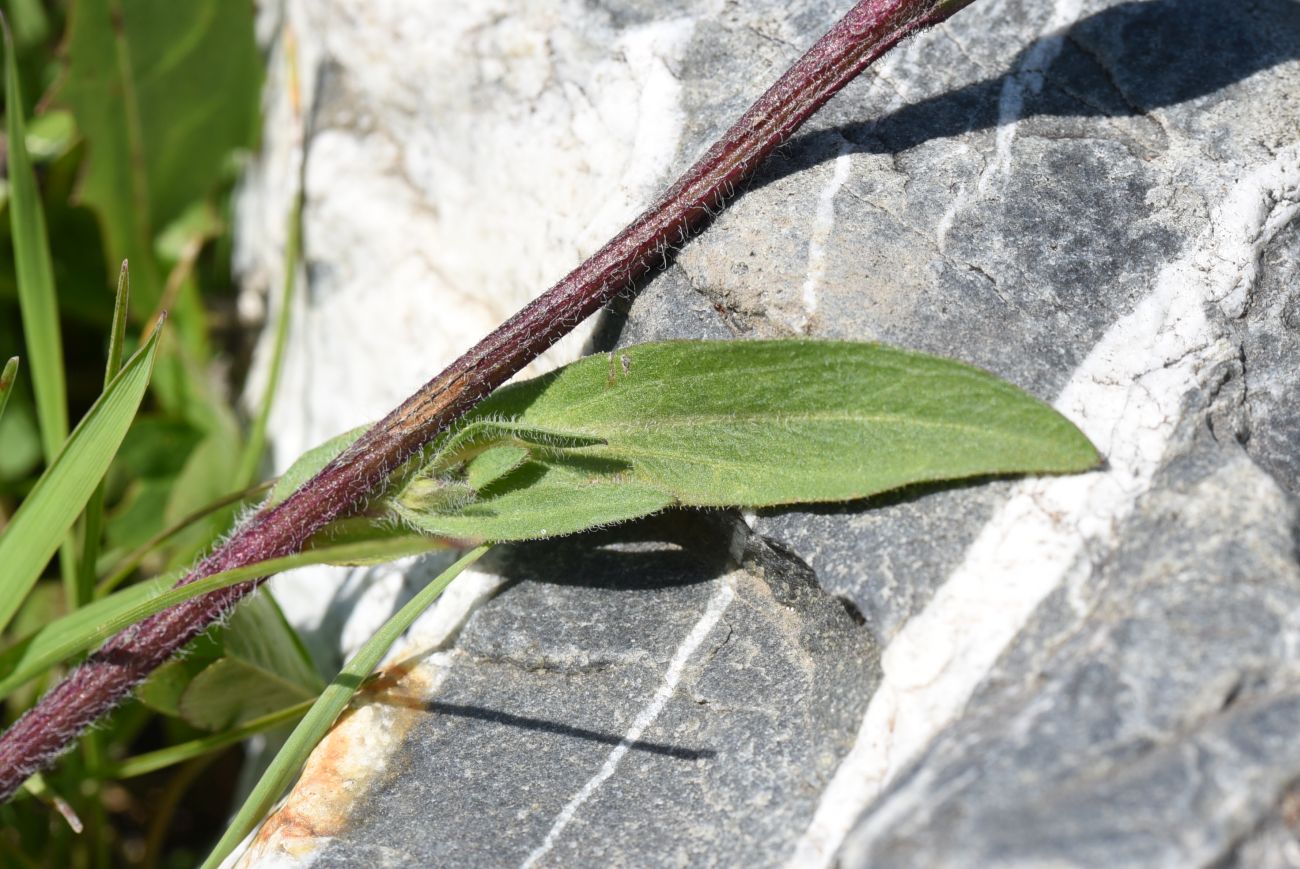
{"x":108,"y":161}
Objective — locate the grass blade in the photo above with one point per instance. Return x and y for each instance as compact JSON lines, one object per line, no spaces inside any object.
{"x":95,"y":508}
{"x":43,"y":519}
{"x":37,"y":301}
{"x":35,"y":272}
{"x":256,"y":443}
{"x":173,"y":754}
{"x":7,"y":379}
{"x":92,"y":624}
{"x":117,"y":333}
{"x":317,"y":722}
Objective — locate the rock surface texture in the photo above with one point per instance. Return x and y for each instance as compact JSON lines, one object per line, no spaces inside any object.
{"x":1099,"y":201}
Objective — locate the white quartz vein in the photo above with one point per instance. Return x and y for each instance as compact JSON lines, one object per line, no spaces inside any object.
{"x":1126,"y":396}
{"x":717,"y":605}
{"x":823,"y":223}
{"x":1028,"y":78}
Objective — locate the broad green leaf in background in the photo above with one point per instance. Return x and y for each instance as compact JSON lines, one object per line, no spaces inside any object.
{"x":180,"y":383}
{"x":323,"y":713}
{"x":50,"y":135}
{"x":140,"y":81}
{"x":7,"y":378}
{"x":62,"y":491}
{"x":155,"y":448}
{"x":163,"y":690}
{"x":82,"y":629}
{"x":21,"y":451}
{"x":142,"y":478}
{"x":265,"y":668}
{"x":194,"y":227}
{"x":745,"y":423}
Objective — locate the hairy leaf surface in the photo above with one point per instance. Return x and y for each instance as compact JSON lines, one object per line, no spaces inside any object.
{"x":743,"y":423}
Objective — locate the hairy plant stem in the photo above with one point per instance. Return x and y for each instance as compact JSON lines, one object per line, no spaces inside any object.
{"x":866,"y":32}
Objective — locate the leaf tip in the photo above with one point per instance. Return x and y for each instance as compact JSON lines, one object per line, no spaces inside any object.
{"x":9,"y":374}
{"x":1083,"y":455}
{"x":157,"y":325}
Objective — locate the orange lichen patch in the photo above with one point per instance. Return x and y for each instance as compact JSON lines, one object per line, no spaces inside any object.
{"x":351,"y":758}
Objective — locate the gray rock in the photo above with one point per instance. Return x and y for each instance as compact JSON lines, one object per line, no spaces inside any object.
{"x":1099,"y":201}
{"x":624,"y":699}
{"x":1105,"y":732}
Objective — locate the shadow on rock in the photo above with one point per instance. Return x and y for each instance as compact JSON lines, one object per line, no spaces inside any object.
{"x":674,"y":548}
{"x":559,"y":728}
{"x":1121,"y":62}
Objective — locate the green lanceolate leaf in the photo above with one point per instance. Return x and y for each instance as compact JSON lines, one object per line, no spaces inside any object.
{"x":37,"y":300}
{"x":265,"y":669}
{"x":141,"y":80}
{"x":318,"y":720}
{"x":7,"y":378}
{"x":63,"y":490}
{"x":117,"y":331}
{"x":745,"y":423}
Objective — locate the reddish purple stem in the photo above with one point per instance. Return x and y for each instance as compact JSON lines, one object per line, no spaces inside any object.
{"x":870,"y":29}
